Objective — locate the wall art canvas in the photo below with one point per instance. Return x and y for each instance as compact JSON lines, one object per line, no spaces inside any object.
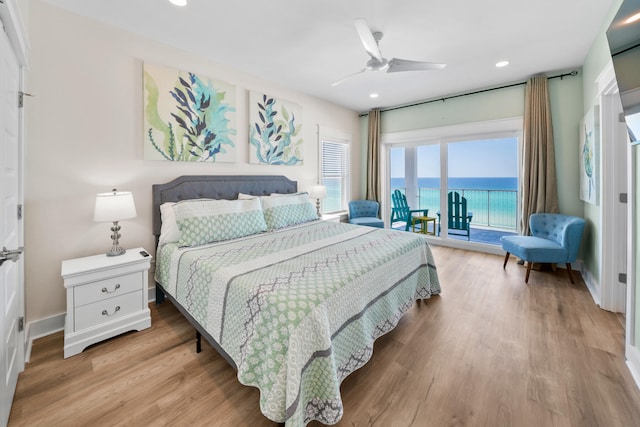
{"x":275,"y":130}
{"x":589,"y":156}
{"x":188,"y":117}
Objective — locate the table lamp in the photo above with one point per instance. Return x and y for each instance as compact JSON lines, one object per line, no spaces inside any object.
{"x":318,"y":192}
{"x":113,"y":207}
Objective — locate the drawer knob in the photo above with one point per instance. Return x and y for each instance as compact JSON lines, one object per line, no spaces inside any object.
{"x":106,"y":291}
{"x":106,"y":313}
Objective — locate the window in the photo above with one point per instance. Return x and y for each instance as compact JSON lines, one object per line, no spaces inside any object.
{"x":334,"y":169}
{"x":479,"y":161}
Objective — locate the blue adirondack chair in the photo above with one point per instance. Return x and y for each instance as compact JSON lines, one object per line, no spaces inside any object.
{"x":401,"y":210}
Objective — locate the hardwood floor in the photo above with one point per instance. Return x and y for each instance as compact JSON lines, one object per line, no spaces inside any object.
{"x":490,"y":351}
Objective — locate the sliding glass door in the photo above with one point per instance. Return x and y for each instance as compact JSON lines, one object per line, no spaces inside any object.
{"x":482,"y":170}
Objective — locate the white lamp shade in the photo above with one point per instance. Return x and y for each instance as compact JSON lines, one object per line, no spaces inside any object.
{"x":114,"y":206}
{"x":318,"y":192}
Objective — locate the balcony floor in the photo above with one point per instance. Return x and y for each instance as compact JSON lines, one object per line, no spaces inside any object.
{"x":485,"y":235}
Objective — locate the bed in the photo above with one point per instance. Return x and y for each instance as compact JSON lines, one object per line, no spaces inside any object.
{"x":292,"y":302}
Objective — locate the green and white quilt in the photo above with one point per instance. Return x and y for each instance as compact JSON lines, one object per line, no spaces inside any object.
{"x":299,"y":309}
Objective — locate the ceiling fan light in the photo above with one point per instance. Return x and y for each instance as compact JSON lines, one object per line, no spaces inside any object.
{"x":180,"y":3}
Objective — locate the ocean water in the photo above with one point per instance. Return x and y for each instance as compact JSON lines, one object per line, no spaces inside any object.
{"x":493,"y":201}
{"x":492,"y":183}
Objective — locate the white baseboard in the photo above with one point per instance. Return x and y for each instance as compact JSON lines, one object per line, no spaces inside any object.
{"x":592,"y":284}
{"x":41,"y":328}
{"x":633,"y":363}
{"x":50,"y":325}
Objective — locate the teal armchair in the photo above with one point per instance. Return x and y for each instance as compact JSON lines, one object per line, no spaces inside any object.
{"x":365,"y":212}
{"x":555,"y":238}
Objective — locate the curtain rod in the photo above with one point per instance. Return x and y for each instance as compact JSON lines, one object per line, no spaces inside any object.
{"x":560,"y":76}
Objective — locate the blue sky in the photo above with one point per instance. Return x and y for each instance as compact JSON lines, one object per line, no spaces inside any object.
{"x":486,"y":158}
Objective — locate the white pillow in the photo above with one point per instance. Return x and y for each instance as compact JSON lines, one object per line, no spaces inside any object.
{"x":243,"y":196}
{"x":169,"y":232}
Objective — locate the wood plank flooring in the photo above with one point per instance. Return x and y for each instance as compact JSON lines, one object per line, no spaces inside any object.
{"x":489,"y":351}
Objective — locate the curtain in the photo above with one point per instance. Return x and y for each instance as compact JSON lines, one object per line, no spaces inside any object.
{"x":539,"y":185}
{"x":373,"y":157}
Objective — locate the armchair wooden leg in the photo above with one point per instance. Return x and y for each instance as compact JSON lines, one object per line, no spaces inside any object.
{"x":569,"y":271}
{"x":506,"y":258}
{"x":526,"y":278}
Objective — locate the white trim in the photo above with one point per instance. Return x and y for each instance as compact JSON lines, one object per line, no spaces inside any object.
{"x":633,"y":363}
{"x":631,"y":347}
{"x":613,"y":224}
{"x":470,"y":131}
{"x":41,"y":328}
{"x":14,"y":27}
{"x":592,"y":284}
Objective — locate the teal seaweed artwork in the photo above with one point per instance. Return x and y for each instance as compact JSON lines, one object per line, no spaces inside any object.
{"x":274,"y":133}
{"x":189,"y":121}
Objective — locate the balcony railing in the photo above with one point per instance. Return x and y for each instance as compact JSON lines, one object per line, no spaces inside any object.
{"x":491,"y":208}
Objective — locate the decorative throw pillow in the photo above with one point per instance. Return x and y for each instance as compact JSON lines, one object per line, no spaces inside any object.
{"x":169,"y":232}
{"x":207,"y":221}
{"x":286,"y":210}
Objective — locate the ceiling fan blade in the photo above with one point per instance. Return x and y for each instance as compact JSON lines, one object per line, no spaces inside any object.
{"x":366,"y":36}
{"x":396,"y":65}
{"x":336,"y":83}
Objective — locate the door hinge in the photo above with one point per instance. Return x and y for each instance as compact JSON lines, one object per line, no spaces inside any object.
{"x":622,"y":277}
{"x":20,"y":324}
{"x":623,"y":197}
{"x":621,"y":118}
{"x":19,"y":212}
{"x":21,"y":96}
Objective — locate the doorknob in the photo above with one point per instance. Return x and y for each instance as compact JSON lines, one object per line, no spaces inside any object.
{"x":10,"y":255}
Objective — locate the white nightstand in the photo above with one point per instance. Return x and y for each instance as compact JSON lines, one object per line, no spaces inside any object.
{"x":106,"y":296}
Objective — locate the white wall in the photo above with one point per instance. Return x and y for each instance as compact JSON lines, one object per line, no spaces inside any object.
{"x":84,"y":135}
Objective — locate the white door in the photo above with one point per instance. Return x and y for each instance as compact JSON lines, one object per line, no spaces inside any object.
{"x":11,"y":270}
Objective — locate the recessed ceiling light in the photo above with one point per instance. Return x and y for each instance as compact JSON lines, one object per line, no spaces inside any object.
{"x":373,"y":95}
{"x":179,"y":2}
{"x":632,"y":18}
{"x":502,"y":64}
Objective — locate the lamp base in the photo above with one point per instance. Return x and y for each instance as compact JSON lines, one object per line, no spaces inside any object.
{"x":115,"y":251}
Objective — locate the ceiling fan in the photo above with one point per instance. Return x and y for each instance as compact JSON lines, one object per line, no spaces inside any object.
{"x":377,"y":62}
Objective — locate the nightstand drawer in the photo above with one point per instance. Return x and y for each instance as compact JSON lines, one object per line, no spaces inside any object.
{"x":107,"y":310}
{"x":108,"y":288}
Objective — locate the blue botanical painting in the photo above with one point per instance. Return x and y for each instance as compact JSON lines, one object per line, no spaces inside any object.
{"x":275,"y":131}
{"x":188,"y":117}
{"x":589,"y":157}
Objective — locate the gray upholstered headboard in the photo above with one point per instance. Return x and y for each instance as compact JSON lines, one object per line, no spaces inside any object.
{"x":216,"y":187}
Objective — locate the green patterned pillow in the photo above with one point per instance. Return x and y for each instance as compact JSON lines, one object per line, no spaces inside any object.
{"x":204,"y":221}
{"x":286,"y":210}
